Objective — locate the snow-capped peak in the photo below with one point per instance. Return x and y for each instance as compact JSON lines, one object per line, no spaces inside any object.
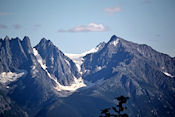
{"x":115,"y":42}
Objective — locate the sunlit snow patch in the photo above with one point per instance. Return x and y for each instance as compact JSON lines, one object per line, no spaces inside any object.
{"x":98,"y":68}
{"x":6,"y":77}
{"x":78,"y":58}
{"x":67,"y":62}
{"x":78,"y":83}
{"x":168,"y":74}
{"x":115,"y":42}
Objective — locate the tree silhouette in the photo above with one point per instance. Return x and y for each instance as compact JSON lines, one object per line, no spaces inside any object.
{"x":117,"y":110}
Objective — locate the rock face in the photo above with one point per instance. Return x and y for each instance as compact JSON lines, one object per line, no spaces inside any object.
{"x":9,"y":108}
{"x":33,"y":79}
{"x":13,"y":54}
{"x":58,"y":65}
{"x":32,"y":86}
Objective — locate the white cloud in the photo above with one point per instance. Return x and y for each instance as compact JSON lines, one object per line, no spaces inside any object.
{"x":91,"y":27}
{"x":113,"y":9}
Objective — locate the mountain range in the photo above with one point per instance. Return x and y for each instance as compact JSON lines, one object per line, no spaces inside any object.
{"x":42,"y":81}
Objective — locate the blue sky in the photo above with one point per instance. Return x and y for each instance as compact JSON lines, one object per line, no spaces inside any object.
{"x":75,"y":26}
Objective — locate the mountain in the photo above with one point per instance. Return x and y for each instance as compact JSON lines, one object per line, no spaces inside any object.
{"x":121,"y":67}
{"x":58,"y":65}
{"x":42,"y":81}
{"x":61,"y":69}
{"x":121,"y":53}
{"x":138,"y":71}
{"x":34,"y":77}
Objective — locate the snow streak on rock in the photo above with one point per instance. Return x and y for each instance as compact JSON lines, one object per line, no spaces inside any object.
{"x":168,"y":74}
{"x":39,"y":59}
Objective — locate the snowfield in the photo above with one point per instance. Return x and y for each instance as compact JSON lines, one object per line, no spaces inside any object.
{"x":6,"y":77}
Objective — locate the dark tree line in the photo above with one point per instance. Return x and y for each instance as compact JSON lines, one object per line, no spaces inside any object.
{"x":117,"y":110}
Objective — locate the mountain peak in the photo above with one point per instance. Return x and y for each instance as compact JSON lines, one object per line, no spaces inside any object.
{"x":6,"y":38}
{"x":45,"y":42}
{"x":114,"y":40}
{"x":114,"y":37}
{"x":26,"y":40}
{"x":26,"y":44}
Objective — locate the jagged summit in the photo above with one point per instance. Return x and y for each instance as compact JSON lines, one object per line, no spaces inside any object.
{"x":115,"y":40}
{"x":45,"y":41}
{"x":26,"y":38}
{"x":7,"y":38}
{"x":27,"y":45}
{"x":114,"y":37}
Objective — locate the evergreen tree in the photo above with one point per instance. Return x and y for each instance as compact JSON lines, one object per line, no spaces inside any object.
{"x":117,"y":110}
